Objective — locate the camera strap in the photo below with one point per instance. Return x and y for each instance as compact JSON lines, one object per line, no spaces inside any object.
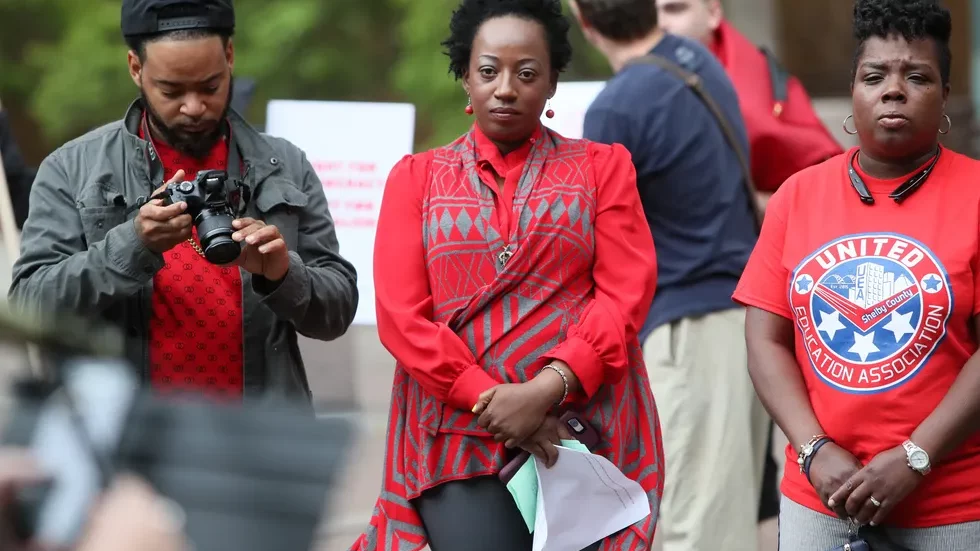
{"x":238,"y":192}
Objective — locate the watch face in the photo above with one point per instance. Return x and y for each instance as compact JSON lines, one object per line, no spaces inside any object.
{"x":918,"y":459}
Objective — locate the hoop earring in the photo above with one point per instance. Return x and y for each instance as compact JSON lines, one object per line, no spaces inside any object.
{"x":469,"y":106}
{"x":845,"y":125}
{"x":949,"y":125}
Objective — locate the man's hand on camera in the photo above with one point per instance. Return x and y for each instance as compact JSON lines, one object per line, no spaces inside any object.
{"x":265,"y":252}
{"x":162,"y":228}
{"x":17,"y":471}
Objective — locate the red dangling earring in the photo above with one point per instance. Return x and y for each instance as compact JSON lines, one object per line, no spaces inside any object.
{"x":550,"y":113}
{"x":469,"y":106}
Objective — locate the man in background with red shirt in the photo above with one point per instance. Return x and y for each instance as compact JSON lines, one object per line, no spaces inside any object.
{"x":785,"y":134}
{"x":94,"y":245}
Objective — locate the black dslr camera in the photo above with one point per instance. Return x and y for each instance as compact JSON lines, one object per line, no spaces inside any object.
{"x":212,"y":209}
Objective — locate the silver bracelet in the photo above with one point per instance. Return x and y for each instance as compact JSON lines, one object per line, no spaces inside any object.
{"x":564,"y":380}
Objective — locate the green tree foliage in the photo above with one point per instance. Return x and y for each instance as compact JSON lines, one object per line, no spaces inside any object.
{"x":64,"y":60}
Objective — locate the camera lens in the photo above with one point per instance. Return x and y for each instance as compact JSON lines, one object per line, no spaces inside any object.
{"x":214,"y":230}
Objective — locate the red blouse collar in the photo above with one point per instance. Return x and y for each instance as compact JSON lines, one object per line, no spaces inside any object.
{"x":487,"y":151}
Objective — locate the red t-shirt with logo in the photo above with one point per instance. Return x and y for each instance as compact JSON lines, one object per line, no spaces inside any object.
{"x":881,"y":297}
{"x":196,"y":326}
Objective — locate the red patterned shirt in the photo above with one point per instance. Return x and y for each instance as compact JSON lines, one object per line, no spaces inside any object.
{"x":196,"y":324}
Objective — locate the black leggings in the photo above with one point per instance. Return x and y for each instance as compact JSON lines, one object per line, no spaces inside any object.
{"x":478,"y":514}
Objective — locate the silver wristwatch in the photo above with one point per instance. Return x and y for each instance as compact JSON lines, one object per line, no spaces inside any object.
{"x":918,"y":459}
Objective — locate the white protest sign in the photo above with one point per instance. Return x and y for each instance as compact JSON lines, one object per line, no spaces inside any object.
{"x":352,"y":146}
{"x":571,"y":101}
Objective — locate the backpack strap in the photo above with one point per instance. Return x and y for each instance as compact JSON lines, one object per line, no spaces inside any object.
{"x":695,"y":84}
{"x":779,"y":81}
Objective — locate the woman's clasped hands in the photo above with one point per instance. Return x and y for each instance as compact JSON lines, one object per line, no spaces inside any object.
{"x":517,"y":414}
{"x":870,"y":494}
{"x":864,"y":494}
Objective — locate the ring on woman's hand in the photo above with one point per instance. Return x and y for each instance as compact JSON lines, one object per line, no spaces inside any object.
{"x":875,"y":502}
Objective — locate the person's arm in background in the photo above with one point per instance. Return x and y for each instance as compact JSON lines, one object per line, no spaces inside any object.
{"x":19,"y":175}
{"x":770,"y":340}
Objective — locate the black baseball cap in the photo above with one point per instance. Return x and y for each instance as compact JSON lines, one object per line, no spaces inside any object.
{"x":157,"y":16}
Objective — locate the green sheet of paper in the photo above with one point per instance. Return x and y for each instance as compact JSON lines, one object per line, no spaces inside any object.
{"x":524,"y":485}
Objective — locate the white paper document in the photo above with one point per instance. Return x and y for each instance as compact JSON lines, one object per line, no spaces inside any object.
{"x":582,"y":499}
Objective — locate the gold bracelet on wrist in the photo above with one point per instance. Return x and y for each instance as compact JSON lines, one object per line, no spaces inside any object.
{"x":564,"y":380}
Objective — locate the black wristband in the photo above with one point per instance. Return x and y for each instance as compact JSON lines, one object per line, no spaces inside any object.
{"x":809,"y":459}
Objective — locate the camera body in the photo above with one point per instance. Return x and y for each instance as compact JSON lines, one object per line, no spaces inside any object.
{"x":210,"y":207}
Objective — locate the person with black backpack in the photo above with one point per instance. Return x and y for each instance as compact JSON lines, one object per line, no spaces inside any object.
{"x":785,"y":133}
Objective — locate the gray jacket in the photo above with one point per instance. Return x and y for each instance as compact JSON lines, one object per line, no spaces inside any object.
{"x":80,"y":252}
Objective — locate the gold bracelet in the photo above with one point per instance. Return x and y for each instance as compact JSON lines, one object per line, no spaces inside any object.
{"x":564,"y":380}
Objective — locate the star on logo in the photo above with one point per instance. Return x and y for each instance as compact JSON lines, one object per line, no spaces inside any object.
{"x":900,"y":325}
{"x":830,"y":323}
{"x":932,"y":283}
{"x":864,"y":345}
{"x":803,"y":284}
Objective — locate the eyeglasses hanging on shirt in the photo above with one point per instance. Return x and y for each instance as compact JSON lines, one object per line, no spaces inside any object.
{"x":902,"y":192}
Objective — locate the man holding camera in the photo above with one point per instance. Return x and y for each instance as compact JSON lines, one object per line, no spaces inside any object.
{"x":105,"y":238}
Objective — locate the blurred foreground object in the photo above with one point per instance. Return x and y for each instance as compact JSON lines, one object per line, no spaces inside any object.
{"x":253,"y":478}
{"x":131,"y":516}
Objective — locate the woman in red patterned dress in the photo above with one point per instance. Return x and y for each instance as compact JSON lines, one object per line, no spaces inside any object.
{"x":513,"y":268}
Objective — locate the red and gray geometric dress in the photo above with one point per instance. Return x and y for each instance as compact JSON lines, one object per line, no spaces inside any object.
{"x":573,"y":283}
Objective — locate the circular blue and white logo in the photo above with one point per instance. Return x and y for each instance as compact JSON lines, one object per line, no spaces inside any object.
{"x":871,"y":309}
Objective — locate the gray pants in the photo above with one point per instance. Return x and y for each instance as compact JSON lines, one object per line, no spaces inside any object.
{"x":802,"y":529}
{"x":477,"y":514}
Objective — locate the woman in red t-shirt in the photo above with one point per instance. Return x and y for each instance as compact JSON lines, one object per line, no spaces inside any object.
{"x":863,"y":297}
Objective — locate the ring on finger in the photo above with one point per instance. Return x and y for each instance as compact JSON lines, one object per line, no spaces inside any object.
{"x":874,"y":501}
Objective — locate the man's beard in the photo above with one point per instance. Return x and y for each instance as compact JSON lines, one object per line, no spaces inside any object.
{"x":197,"y":146}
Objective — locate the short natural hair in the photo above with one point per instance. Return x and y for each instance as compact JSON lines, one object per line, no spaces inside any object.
{"x":620,"y":20}
{"x":911,"y":19}
{"x":472,"y":14}
{"x":138,"y":43}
